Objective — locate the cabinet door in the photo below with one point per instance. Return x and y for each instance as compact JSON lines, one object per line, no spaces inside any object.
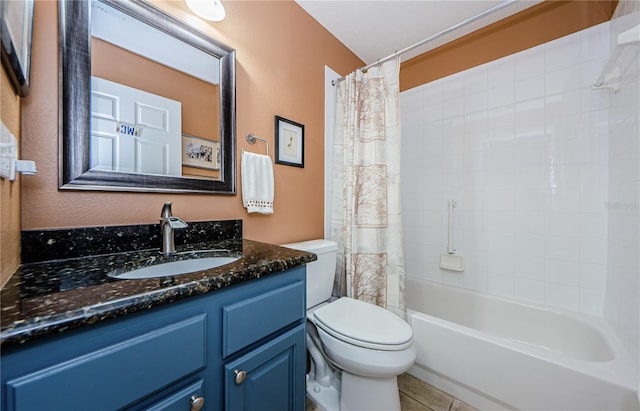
{"x":271,"y":377}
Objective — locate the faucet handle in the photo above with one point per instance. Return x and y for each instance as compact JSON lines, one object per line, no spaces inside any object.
{"x":177,"y":223}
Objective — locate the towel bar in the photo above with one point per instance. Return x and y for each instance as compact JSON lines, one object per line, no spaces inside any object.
{"x":251,"y":139}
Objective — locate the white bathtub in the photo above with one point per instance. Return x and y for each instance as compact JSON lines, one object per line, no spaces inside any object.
{"x":495,"y":353}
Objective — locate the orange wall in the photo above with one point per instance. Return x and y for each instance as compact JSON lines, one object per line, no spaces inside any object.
{"x":536,"y":25}
{"x":281,"y":53}
{"x":9,"y":191}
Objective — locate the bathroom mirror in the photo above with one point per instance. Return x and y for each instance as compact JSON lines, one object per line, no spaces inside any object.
{"x":103,"y":149}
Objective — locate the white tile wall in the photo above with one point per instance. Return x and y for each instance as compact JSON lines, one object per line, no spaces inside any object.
{"x":522,"y":144}
{"x":623,"y":242}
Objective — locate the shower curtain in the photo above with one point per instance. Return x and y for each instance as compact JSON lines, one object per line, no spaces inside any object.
{"x":366,"y":214}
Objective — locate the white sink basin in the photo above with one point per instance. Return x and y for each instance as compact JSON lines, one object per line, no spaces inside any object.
{"x":174,"y":268}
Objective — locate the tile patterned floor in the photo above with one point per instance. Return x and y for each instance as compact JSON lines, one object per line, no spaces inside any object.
{"x":416,"y":395}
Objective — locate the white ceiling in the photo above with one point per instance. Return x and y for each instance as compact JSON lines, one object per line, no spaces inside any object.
{"x":374,"y":29}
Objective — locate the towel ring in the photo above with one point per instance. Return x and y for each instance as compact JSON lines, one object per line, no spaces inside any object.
{"x":251,"y":139}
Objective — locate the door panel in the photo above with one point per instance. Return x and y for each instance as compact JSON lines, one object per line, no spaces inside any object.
{"x":275,"y":375}
{"x":134,"y":131}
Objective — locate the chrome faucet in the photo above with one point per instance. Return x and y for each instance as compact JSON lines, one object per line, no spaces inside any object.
{"x":168,"y":223}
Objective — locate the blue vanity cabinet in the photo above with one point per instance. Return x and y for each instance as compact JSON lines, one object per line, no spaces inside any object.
{"x":265,"y":376}
{"x":172,"y":357}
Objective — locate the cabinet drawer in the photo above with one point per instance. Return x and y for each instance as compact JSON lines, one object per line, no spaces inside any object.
{"x":180,"y":400}
{"x":115,"y":376}
{"x":249,"y":320}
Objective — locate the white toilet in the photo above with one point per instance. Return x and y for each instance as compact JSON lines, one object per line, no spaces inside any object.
{"x":357,"y":349}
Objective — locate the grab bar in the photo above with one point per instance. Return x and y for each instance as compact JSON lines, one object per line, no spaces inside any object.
{"x":450,"y":249}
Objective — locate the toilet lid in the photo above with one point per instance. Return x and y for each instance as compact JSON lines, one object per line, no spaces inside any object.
{"x":364,"y":324}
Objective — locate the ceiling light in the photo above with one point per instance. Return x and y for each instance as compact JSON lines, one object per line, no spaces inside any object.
{"x":207,"y":9}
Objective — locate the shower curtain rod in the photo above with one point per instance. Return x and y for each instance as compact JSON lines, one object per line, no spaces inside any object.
{"x":434,"y":37}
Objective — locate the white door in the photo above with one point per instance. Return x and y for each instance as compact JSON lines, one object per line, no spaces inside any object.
{"x":133,"y":131}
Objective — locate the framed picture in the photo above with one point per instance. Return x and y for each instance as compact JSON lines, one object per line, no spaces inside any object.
{"x":16,"y":23}
{"x":289,"y":142}
{"x":200,"y":153}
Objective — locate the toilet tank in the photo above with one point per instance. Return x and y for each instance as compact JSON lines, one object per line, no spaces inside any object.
{"x":320,"y":273}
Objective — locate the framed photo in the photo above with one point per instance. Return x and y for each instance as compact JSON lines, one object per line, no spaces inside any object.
{"x":16,"y":23}
{"x":289,"y":142}
{"x":200,"y":153}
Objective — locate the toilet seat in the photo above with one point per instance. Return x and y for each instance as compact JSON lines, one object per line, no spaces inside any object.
{"x":364,"y":325}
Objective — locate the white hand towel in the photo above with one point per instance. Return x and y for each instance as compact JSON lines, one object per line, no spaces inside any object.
{"x":257,"y":183}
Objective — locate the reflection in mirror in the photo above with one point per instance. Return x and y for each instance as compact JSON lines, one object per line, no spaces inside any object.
{"x":159,"y":118}
{"x":138,"y":116}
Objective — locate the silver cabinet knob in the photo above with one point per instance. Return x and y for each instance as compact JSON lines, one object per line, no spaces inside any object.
{"x":196,"y":403}
{"x":240,"y":376}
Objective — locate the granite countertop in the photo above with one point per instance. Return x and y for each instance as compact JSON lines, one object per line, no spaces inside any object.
{"x":44,"y":298}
